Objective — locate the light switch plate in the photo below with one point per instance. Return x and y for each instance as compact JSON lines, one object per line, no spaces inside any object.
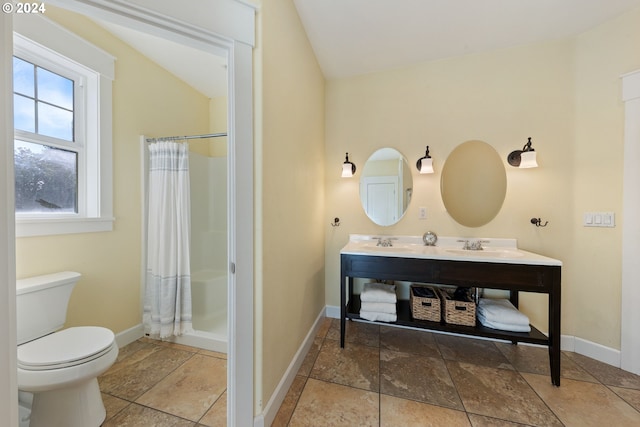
{"x":599,"y":219}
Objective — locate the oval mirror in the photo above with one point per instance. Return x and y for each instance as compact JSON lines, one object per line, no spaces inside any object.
{"x":386,"y":186}
{"x":473,"y":183}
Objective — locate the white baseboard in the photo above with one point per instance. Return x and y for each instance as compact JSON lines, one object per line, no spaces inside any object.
{"x":332,"y":311}
{"x":129,"y":335}
{"x":597,"y":351}
{"x":271,"y":408}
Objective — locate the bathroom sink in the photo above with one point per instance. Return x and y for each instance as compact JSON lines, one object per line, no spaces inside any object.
{"x":388,"y":249}
{"x":488,"y":253}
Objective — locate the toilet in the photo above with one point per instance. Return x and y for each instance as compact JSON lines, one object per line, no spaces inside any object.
{"x":58,"y":368}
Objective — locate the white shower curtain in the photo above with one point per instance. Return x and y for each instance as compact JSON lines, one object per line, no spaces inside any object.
{"x":167,"y":305}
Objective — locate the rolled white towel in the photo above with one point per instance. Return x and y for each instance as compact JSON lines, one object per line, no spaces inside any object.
{"x":381,"y":317}
{"x":502,"y":326}
{"x":378,"y":307}
{"x":501,"y":311}
{"x":378,"y":292}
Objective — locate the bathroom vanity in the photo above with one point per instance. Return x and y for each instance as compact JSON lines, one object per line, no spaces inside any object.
{"x":500,"y":265}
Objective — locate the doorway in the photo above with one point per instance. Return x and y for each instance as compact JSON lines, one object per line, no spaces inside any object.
{"x":234,"y":41}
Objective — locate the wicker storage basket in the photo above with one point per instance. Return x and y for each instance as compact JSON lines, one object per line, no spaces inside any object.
{"x":425,"y":308}
{"x":458,"y":312}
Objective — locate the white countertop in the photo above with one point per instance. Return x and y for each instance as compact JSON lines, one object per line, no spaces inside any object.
{"x":501,"y":251}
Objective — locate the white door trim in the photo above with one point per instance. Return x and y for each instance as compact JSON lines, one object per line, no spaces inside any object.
{"x":8,"y":364}
{"x":630,"y":315}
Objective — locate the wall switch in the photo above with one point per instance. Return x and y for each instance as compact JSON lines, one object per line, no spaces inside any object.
{"x":422,"y":213}
{"x":599,"y":219}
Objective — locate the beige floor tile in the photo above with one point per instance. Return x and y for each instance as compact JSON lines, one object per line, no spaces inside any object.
{"x":310,"y":358}
{"x":500,"y":393}
{"x":356,"y":332}
{"x":355,"y":365}
{"x":396,"y":412}
{"x":482,"y":421}
{"x":479,"y":352}
{"x":408,"y":341}
{"x":213,"y":354}
{"x":535,"y":360}
{"x":631,"y":396}
{"x":325,"y":325}
{"x":198,"y":382}
{"x":579,"y":403}
{"x":416,"y":377}
{"x":607,"y":374}
{"x":140,"y":416}
{"x":217,"y":415}
{"x":131,"y":380}
{"x":290,"y":401}
{"x":325,"y":404}
{"x":113,"y":405}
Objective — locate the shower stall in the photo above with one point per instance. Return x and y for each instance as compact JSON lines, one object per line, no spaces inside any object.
{"x":208,"y":246}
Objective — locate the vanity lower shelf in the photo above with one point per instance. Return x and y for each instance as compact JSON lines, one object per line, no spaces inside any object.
{"x":403,"y":308}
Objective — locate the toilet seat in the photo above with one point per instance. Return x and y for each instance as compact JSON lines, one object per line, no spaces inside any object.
{"x":69,"y":347}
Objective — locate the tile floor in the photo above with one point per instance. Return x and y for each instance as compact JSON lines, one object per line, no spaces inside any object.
{"x":399,"y":377}
{"x":383,"y":377}
{"x":159,"y":384}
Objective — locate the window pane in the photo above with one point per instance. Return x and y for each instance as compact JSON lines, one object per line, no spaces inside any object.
{"x":55,"y":89}
{"x":55,"y":122}
{"x":24,"y":113}
{"x":23,"y":82}
{"x":46,"y":179}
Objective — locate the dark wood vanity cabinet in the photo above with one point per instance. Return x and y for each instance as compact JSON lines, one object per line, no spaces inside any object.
{"x":491,"y":275}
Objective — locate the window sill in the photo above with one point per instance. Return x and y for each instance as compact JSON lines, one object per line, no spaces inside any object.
{"x":47,"y":227}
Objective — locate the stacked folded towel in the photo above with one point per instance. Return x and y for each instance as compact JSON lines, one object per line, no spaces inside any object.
{"x":501,"y":314}
{"x":378,"y":302}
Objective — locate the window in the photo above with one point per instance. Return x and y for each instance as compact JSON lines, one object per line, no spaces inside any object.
{"x":46,"y":150}
{"x":62,"y":122}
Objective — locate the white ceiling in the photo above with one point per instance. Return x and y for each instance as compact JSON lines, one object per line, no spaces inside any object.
{"x":204,"y":71}
{"x":352,"y":37}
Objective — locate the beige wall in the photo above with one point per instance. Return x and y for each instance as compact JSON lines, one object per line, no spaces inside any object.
{"x":109,"y":292}
{"x":602,"y":55}
{"x":289,"y":192}
{"x":563,"y":94}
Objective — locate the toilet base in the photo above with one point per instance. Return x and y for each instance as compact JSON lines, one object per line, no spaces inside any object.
{"x":77,"y":406}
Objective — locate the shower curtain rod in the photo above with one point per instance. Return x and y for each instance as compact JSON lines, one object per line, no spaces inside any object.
{"x":208,"y":135}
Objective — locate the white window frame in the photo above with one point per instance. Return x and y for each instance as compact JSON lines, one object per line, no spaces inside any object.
{"x":50,"y":46}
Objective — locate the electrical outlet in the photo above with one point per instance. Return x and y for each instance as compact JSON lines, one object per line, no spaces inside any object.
{"x":422,"y":212}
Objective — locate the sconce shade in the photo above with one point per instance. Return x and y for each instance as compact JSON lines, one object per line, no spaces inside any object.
{"x":425,"y":164}
{"x":525,"y":158}
{"x":528,"y":159}
{"x":348,"y":168}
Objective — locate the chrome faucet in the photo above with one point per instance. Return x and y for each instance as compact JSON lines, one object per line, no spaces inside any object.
{"x":384,"y":242}
{"x":473,"y":246}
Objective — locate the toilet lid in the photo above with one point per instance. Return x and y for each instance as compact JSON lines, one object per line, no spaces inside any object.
{"x":65,"y":348}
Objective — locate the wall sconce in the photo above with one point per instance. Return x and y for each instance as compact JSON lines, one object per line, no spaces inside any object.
{"x":348,"y":168}
{"x":425,"y":164}
{"x":525,"y":158}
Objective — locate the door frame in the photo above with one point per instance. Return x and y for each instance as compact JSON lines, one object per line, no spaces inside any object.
{"x":226,"y":27}
{"x":629,"y":315}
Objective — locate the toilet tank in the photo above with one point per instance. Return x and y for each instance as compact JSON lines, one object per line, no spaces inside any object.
{"x":41,"y":303}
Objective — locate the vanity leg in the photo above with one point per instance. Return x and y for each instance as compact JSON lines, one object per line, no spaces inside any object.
{"x":343,"y":309}
{"x":514,"y":297}
{"x":554,"y":329}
